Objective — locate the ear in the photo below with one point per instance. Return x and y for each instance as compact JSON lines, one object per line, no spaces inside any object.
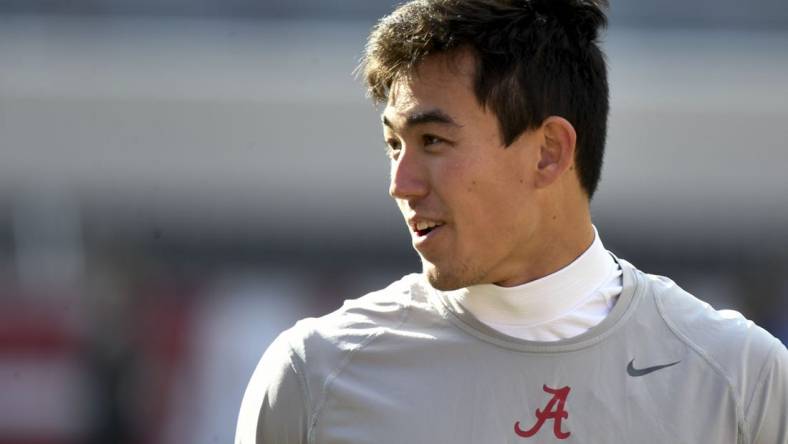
{"x":557,"y":152}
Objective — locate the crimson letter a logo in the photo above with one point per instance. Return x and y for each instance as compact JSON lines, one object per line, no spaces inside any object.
{"x":553,"y":410}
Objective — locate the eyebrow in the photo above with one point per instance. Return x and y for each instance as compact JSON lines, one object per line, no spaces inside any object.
{"x":421,"y":118}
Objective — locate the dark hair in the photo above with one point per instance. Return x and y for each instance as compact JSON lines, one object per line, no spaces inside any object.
{"x":534,"y":59}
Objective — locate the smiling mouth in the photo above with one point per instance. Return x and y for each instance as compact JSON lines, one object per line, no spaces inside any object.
{"x":425,"y":231}
{"x":424,"y":228}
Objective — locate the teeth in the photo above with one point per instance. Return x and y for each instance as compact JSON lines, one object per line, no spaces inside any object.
{"x":424,"y":225}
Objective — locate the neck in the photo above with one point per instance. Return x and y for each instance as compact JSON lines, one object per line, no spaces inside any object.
{"x":563,"y":234}
{"x":544,"y":299}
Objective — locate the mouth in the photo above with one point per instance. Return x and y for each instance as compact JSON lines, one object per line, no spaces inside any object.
{"x":424,"y":227}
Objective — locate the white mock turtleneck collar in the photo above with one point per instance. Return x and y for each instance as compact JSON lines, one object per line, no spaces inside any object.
{"x":557,"y":306}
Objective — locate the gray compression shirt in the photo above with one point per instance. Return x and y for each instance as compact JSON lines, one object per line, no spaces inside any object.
{"x":406,"y":365}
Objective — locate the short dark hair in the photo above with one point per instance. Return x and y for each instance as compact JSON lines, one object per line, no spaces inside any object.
{"x":534,"y":59}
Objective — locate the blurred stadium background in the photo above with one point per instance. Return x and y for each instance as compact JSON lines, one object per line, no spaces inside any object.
{"x":180,"y":180}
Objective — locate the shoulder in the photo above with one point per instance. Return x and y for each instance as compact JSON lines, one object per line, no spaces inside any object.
{"x":737,"y":348}
{"x":724,"y":335}
{"x":286,"y":389}
{"x":356,"y":320}
{"x":322,"y":346}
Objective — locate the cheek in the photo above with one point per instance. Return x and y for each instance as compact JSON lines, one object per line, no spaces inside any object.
{"x":485,"y":196}
{"x":500,"y":208}
{"x":487,"y":208}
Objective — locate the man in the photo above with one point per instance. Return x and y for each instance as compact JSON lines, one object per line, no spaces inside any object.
{"x":521,"y":327}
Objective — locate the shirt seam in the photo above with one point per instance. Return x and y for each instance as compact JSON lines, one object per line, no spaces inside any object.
{"x":344,"y":363}
{"x":741,"y":419}
{"x":761,"y":381}
{"x":302,"y":382}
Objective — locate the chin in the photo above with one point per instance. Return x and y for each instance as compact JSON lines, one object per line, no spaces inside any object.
{"x":441,"y":278}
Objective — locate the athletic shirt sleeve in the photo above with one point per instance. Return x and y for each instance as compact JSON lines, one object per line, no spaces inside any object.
{"x":767,"y":414}
{"x":274,"y":409}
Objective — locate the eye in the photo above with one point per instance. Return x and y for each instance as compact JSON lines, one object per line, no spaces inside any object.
{"x":393,"y":147}
{"x":434,"y":144}
{"x":429,"y":139}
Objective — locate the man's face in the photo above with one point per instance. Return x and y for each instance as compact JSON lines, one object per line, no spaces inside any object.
{"x":469,"y":202}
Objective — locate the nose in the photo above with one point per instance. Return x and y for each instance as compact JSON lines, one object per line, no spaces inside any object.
{"x":408,"y":176}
